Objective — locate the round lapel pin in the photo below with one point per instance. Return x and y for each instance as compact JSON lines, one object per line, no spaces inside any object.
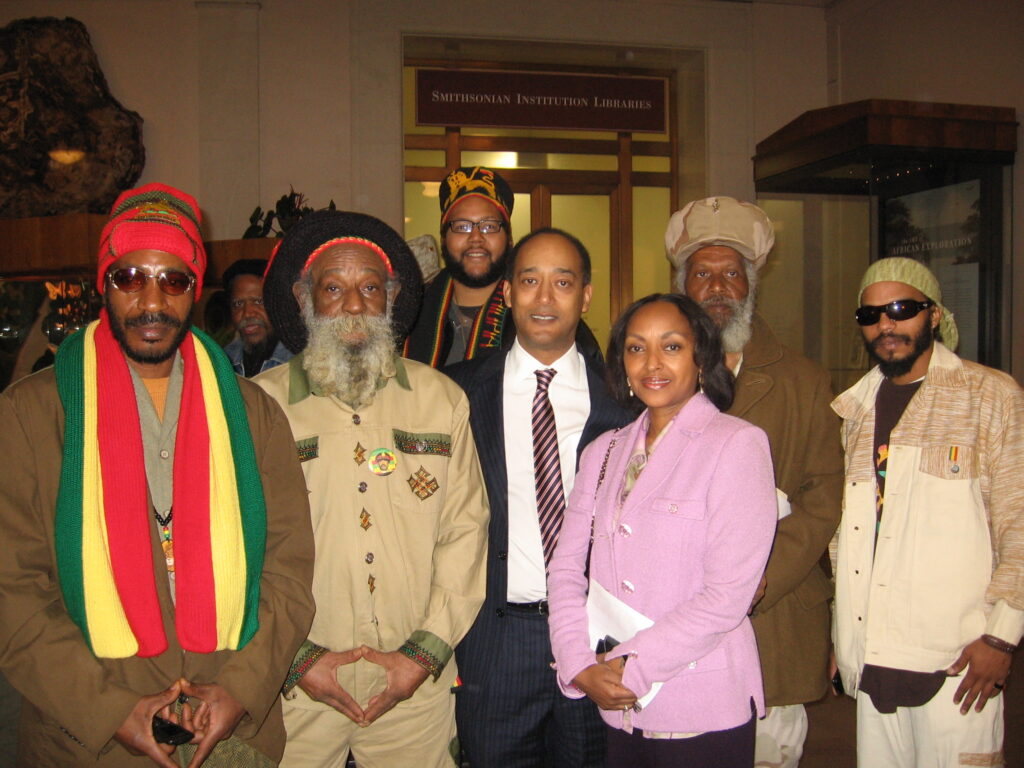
{"x":382,"y":461}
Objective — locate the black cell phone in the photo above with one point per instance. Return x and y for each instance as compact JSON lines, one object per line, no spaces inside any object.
{"x":606,"y":644}
{"x":837,"y":684}
{"x":166,"y":732}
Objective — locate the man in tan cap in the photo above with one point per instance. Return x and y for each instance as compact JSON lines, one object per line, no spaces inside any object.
{"x":718,"y":245}
{"x":929,"y":560}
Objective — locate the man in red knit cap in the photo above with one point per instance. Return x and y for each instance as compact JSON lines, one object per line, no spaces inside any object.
{"x":161,"y":565}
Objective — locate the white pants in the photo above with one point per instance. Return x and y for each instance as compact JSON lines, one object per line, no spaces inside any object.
{"x":934,"y":735}
{"x":780,"y":737}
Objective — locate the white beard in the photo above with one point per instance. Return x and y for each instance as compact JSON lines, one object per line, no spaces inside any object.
{"x":736,"y":331}
{"x":348,"y":370}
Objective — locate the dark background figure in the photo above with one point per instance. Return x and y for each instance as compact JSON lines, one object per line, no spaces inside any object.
{"x":256,"y":348}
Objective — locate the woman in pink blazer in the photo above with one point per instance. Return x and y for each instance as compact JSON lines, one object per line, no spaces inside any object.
{"x":682,"y":506}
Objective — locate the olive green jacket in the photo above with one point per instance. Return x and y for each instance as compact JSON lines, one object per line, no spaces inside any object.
{"x":789,"y":396}
{"x":74,"y":702}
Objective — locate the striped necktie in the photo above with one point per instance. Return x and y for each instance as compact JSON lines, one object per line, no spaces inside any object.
{"x":547,"y":468}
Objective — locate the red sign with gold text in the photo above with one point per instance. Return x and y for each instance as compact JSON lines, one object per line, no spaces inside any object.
{"x":502,"y":99}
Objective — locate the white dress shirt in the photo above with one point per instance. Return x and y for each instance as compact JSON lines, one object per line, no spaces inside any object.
{"x":570,"y":400}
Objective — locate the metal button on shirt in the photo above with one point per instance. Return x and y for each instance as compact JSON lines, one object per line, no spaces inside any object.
{"x":165,"y":454}
{"x":369,"y":557}
{"x":355,"y":419}
{"x":362,"y":487}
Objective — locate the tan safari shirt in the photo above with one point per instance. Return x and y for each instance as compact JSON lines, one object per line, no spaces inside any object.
{"x":399,"y":516}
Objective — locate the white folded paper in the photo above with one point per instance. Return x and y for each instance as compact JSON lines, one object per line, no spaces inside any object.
{"x":785,"y":510}
{"x":609,"y":616}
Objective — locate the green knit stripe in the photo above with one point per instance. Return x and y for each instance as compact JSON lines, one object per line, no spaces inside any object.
{"x":251,"y":501}
{"x":69,"y":369}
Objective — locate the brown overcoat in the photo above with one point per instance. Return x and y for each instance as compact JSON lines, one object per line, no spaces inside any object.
{"x":73,"y":702}
{"x":788,"y":396}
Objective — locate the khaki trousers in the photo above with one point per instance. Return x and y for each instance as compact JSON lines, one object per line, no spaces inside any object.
{"x":418,"y":733}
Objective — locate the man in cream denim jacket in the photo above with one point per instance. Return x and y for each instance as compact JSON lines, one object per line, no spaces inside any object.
{"x":929,"y":557}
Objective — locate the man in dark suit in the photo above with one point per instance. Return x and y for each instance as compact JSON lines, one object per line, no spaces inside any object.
{"x":533,"y":408}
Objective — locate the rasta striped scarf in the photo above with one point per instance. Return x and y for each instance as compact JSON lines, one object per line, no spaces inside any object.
{"x":103,"y":518}
{"x":429,"y":341}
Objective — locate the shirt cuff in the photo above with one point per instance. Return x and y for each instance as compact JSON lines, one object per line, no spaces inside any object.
{"x":428,"y":650}
{"x":1006,"y":623}
{"x":308,"y":655}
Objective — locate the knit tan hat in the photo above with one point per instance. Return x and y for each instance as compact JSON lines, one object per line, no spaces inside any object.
{"x":719,"y":221}
{"x":897,"y":269}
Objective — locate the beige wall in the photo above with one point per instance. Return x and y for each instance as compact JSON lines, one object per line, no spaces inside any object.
{"x":242,"y":99}
{"x":959,"y":51}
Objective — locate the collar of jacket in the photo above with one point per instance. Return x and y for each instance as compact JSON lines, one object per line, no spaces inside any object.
{"x":945,"y":370}
{"x":300,"y":387}
{"x":763,"y":348}
{"x":754,"y":381}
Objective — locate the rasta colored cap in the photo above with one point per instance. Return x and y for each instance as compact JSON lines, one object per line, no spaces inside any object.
{"x":476,"y":181}
{"x":157,"y":217}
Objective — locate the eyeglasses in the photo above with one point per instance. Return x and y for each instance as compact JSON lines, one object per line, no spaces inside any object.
{"x":901,"y":309}
{"x":484,"y":226}
{"x":132,"y":280}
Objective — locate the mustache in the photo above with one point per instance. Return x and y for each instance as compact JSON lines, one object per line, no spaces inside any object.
{"x":713,"y":300}
{"x":255,"y":321}
{"x":152,"y":318}
{"x":877,"y":341}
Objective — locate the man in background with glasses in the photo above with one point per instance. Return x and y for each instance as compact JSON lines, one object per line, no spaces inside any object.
{"x":929,"y":559}
{"x":463,"y":314}
{"x":158,"y":551}
{"x":718,"y":247}
{"x":256,"y":347}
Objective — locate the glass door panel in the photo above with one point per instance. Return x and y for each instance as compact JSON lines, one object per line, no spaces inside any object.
{"x":651,"y":270}
{"x":588,"y":217}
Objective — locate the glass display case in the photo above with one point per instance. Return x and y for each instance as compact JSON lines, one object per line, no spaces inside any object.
{"x":850,"y":184}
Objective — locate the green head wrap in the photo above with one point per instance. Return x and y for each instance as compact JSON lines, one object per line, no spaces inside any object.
{"x":897,"y":269}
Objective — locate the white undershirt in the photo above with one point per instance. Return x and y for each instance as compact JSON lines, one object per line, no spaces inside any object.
{"x":570,"y":400}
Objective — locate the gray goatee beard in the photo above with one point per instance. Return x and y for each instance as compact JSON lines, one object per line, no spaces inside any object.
{"x":738,"y":328}
{"x":345,"y":369}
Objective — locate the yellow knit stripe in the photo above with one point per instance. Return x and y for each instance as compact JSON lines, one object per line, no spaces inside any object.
{"x":227,"y":544}
{"x":109,"y":630}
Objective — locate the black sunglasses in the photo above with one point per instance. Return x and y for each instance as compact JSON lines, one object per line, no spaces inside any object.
{"x":901,"y":309}
{"x":132,"y":280}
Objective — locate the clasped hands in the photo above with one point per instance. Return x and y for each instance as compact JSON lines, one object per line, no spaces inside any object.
{"x":214,"y":719}
{"x":602,"y":683}
{"x":403,"y":674}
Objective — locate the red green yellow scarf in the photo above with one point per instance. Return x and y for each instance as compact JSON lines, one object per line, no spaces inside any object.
{"x":485,"y":333}
{"x":104,"y":517}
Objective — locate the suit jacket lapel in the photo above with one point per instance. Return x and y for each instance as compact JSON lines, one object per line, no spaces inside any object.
{"x":605,"y":413}
{"x":753,"y":382}
{"x":487,"y":418}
